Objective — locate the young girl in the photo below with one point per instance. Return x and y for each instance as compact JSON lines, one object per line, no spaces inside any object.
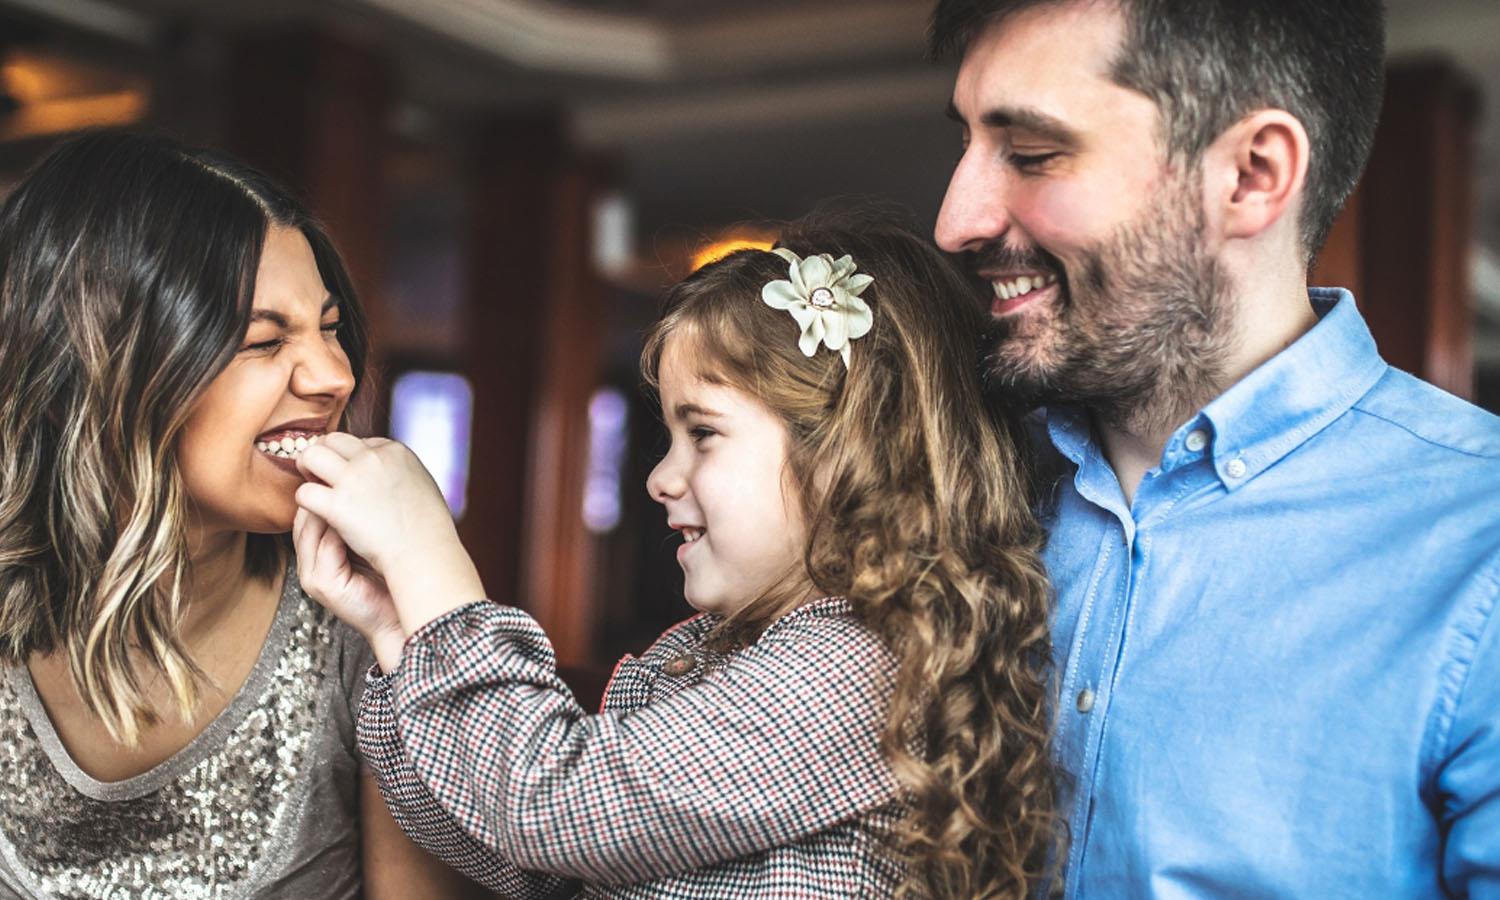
{"x":176,"y":717}
{"x":860,"y":706}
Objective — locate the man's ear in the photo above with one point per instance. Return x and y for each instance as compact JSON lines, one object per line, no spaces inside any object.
{"x":1256,"y":172}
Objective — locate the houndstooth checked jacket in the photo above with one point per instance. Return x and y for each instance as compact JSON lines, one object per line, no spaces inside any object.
{"x":753,"y":774}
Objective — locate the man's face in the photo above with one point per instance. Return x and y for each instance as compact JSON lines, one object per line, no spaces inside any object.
{"x":1065,"y":202}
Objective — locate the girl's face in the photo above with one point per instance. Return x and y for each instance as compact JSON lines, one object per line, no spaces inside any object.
{"x":723,"y":487}
{"x":290,"y":380}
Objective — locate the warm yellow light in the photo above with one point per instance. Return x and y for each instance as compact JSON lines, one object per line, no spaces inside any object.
{"x":60,"y":116}
{"x":725,"y":246}
{"x":25,"y":83}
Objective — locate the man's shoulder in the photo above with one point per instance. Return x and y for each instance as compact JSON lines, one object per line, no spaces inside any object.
{"x":1437,"y":422}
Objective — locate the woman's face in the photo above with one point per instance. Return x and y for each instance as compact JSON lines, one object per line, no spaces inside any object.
{"x":289,"y":380}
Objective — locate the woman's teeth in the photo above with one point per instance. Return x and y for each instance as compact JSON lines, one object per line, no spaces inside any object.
{"x":689,"y":535}
{"x":1016,"y":287}
{"x":287,"y":447}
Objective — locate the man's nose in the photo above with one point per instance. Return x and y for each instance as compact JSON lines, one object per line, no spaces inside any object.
{"x":974,"y":212}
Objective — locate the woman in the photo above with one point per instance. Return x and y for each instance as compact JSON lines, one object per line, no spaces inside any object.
{"x":175,"y":715}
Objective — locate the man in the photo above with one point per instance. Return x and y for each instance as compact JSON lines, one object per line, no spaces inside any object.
{"x":1277,"y":559}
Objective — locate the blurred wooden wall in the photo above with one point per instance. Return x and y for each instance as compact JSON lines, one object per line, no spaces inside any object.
{"x":1402,"y":244}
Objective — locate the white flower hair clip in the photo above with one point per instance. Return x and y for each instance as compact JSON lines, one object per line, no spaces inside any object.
{"x":822,"y":294}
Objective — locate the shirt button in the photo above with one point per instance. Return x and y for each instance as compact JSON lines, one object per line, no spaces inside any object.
{"x":1236,"y":468}
{"x":1196,"y":441}
{"x":680,"y":665}
{"x":1085,"y":701}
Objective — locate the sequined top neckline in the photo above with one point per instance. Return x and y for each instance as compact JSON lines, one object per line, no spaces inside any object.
{"x":261,"y":804}
{"x":208,"y":741}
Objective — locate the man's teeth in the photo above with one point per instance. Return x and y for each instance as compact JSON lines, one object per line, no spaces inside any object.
{"x":690,"y":535}
{"x":287,"y":447}
{"x":1016,"y":287}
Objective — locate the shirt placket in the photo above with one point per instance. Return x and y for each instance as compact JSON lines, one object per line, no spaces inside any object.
{"x":1100,"y":645}
{"x":1088,"y":679}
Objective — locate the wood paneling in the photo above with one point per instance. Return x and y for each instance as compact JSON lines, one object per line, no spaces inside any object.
{"x":1416,"y":226}
{"x":310,"y":110}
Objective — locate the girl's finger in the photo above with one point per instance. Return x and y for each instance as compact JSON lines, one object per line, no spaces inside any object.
{"x":331,"y":549}
{"x":317,"y":499}
{"x":346,"y":445}
{"x":322,"y":462}
{"x":305,"y":534}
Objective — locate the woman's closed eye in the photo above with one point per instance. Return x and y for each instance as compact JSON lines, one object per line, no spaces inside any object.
{"x":329,"y":330}
{"x":263,"y":346}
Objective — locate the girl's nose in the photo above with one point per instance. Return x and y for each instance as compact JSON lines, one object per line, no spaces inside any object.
{"x":665,"y":481}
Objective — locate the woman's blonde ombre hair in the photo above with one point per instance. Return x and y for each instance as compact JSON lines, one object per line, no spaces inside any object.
{"x":916,"y":494}
{"x":127,"y":271}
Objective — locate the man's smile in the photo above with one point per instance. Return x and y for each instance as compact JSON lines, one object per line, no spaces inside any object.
{"x":1015,"y":291}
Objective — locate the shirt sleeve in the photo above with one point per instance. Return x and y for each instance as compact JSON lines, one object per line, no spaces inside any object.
{"x":781,"y":743}
{"x":354,"y":659}
{"x":424,"y":820}
{"x":1469,"y":776}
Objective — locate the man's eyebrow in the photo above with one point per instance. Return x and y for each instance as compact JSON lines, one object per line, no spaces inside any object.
{"x":1027,"y":119}
{"x":1032,"y":120}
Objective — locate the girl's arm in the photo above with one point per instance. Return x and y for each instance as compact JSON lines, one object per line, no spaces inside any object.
{"x":397,"y":869}
{"x":410,"y":808}
{"x":780,"y":744}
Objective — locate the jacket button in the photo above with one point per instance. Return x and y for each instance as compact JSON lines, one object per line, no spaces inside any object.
{"x":680,"y":665}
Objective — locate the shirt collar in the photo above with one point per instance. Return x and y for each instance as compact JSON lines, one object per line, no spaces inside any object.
{"x":1274,"y":409}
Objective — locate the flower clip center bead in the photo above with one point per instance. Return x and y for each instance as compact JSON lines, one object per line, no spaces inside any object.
{"x":822,"y":298}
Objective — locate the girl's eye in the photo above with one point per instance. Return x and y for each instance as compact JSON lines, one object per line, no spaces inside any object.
{"x":700,"y":434}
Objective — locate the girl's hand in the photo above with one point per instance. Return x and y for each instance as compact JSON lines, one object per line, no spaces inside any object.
{"x":386,"y":508}
{"x":348,"y":587}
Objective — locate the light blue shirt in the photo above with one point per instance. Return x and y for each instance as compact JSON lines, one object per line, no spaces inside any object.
{"x":1280,"y":666}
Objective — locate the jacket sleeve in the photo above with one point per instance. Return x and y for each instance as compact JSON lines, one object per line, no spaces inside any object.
{"x":781,"y":743}
{"x":424,"y":820}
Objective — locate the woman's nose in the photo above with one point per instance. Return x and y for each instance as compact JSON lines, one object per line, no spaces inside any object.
{"x":324,"y":371}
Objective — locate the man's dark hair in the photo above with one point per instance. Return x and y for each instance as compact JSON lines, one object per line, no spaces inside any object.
{"x":1208,"y":63}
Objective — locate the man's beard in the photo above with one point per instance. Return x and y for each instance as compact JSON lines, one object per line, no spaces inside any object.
{"x":1139,"y":334}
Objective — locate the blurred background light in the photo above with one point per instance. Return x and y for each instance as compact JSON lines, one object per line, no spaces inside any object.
{"x":608,"y":443}
{"x":431,"y":412}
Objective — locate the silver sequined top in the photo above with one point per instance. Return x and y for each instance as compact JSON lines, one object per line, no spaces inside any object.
{"x":263,"y":803}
